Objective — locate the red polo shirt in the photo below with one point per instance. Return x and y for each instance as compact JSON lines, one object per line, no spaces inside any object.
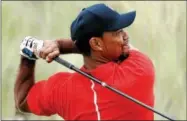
{"x":75,"y":97}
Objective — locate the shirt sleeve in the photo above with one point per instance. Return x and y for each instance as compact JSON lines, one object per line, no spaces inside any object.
{"x":136,"y":76}
{"x":43,"y":97}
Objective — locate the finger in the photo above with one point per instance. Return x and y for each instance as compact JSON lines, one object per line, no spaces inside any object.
{"x":52,"y":55}
{"x":45,"y":51}
{"x":49,"y":60}
{"x":41,"y":52}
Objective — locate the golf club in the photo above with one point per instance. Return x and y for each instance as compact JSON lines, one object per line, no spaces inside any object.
{"x":72,"y":67}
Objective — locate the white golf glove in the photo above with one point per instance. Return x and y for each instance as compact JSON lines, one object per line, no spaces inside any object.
{"x":30,"y":47}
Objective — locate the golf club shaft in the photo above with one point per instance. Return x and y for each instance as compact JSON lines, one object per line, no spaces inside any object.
{"x":72,"y":67}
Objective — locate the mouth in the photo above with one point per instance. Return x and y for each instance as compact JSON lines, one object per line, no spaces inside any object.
{"x":126,"y":48}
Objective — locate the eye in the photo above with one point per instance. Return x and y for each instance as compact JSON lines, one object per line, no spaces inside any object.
{"x":119,"y":32}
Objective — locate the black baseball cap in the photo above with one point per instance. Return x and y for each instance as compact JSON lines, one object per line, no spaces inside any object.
{"x":99,"y":18}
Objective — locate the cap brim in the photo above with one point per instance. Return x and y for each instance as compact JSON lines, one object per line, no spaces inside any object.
{"x":123,"y":21}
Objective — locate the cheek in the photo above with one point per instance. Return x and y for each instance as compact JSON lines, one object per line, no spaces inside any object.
{"x":115,"y":49}
{"x":117,"y":44}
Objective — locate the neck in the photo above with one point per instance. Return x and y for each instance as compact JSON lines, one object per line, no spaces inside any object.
{"x":91,"y":62}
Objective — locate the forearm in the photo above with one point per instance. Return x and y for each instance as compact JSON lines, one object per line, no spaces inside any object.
{"x":67,"y":46}
{"x":24,"y":82}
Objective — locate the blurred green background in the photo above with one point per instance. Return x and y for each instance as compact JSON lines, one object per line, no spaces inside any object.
{"x":159,"y":31}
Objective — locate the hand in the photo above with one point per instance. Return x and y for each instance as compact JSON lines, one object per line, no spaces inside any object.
{"x":30,"y":47}
{"x":50,"y":50}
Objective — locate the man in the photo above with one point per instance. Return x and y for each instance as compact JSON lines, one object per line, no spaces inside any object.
{"x":97,"y":34}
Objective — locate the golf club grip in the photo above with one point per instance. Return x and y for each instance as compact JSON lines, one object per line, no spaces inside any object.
{"x":63,"y":62}
{"x":70,"y":66}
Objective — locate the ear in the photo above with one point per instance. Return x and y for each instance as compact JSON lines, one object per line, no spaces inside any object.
{"x":96,"y":43}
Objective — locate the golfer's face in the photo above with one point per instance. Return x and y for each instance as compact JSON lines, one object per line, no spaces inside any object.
{"x":115,"y":44}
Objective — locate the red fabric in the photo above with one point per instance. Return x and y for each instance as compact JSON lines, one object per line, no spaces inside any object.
{"x":72,"y":97}
{"x":44,"y":95}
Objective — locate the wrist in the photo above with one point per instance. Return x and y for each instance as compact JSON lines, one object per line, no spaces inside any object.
{"x":59,"y":43}
{"x":27,"y":62}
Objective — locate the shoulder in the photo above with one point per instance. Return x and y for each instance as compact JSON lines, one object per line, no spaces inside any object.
{"x":136,"y":56}
{"x":43,"y":92}
{"x":138,"y":63}
{"x":58,"y":78}
{"x":60,"y":75}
